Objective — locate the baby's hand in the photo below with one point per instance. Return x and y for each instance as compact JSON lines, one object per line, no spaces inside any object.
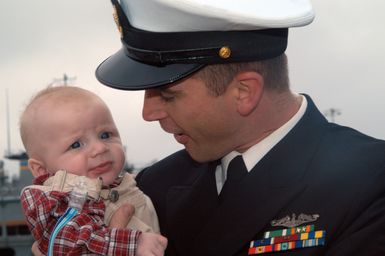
{"x":151,"y":244}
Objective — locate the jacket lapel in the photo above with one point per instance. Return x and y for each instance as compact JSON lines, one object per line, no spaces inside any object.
{"x":189,"y":205}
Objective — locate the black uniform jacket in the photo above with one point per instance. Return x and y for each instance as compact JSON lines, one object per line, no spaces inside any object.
{"x":319,"y":168}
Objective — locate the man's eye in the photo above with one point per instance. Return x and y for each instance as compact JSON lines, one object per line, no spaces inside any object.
{"x":166,"y":98}
{"x":75,"y":145}
{"x":105,"y":135}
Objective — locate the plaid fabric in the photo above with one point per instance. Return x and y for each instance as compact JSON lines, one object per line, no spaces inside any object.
{"x":85,"y":234}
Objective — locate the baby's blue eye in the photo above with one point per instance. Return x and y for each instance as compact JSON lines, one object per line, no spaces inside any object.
{"x":76,"y":144}
{"x":105,"y":135}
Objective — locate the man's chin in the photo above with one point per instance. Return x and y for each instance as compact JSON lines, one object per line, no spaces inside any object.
{"x":200,"y":157}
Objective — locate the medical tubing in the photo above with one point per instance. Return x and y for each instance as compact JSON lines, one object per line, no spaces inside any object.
{"x":68,"y":215}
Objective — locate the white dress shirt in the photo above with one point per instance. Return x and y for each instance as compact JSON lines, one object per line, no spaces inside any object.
{"x":254,"y":154}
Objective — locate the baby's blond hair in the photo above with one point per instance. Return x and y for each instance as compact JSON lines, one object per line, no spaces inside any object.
{"x":55,"y":94}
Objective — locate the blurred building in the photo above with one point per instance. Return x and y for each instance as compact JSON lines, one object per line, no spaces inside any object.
{"x":15,"y":238}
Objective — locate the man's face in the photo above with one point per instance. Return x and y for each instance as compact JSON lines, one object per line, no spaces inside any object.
{"x":202,"y":122}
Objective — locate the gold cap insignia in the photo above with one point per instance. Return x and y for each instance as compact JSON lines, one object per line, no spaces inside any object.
{"x":116,"y":18}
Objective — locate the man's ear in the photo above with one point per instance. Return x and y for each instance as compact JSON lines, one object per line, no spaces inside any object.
{"x":37,"y":167}
{"x":249,"y":87}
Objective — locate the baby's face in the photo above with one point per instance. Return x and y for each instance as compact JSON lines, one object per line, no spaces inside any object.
{"x":81,"y":138}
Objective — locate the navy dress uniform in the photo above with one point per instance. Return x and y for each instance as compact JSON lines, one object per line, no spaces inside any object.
{"x":320,"y":190}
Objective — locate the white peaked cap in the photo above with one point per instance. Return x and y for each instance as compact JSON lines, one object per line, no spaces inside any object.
{"x":219,"y":15}
{"x":164,"y":41}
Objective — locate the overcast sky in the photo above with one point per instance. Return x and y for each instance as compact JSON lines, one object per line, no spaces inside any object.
{"x":338,"y":60}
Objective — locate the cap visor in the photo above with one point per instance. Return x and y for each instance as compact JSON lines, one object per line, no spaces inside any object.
{"x":122,"y":72}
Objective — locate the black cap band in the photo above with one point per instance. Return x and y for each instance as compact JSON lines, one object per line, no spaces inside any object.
{"x":204,"y":47}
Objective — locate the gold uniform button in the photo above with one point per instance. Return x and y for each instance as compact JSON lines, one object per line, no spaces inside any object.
{"x":225,"y":52}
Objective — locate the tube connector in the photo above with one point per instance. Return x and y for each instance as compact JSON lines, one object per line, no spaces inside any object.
{"x":78,"y":194}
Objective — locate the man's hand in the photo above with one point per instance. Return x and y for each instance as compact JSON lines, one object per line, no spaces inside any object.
{"x":151,"y":244}
{"x":35,"y":250}
{"x":148,"y":243}
{"x":122,"y":216}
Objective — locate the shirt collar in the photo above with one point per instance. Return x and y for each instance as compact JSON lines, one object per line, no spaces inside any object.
{"x":254,"y":154}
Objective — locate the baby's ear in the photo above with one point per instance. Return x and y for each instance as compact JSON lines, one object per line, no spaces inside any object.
{"x":37,"y":167}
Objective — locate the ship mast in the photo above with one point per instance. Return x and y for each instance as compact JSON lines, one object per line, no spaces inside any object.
{"x":8,"y":150}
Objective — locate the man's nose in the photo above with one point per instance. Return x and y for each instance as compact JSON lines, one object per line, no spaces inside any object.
{"x":153,"y":106}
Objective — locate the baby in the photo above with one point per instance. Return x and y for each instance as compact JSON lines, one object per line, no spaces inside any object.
{"x":71,"y":138}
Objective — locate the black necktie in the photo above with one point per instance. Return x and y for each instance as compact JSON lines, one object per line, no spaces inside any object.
{"x":235,"y":172}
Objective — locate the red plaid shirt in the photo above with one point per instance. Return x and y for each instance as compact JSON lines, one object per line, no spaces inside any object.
{"x":85,"y":234}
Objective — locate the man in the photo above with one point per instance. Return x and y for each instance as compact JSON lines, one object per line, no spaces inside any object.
{"x":215,"y":75}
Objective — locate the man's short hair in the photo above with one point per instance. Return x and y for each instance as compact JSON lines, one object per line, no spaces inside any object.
{"x":274,"y":72}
